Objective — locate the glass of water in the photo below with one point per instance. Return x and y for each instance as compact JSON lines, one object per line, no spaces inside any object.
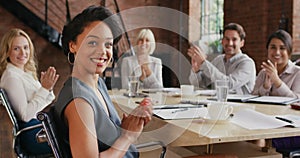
{"x":133,"y":85}
{"x":222,"y":88}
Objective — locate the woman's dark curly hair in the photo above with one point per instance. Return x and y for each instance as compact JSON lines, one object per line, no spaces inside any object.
{"x":87,"y":16}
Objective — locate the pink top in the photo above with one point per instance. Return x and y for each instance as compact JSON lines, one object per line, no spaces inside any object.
{"x":290,"y":86}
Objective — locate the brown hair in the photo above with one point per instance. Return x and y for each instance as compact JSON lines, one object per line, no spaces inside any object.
{"x":236,"y":27}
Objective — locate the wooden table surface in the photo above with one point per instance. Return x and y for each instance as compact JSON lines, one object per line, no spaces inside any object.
{"x":192,"y":132}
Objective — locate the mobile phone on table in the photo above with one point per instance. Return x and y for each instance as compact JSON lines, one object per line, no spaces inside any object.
{"x":295,"y":106}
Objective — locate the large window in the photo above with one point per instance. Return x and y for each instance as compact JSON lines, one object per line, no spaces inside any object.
{"x":212,"y":22}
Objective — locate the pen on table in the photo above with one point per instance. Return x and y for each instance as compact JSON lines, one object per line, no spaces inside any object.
{"x":177,"y":107}
{"x":193,"y":102}
{"x":179,"y":110}
{"x":284,"y":119}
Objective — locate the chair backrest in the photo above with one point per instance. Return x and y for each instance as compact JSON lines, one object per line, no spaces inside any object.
{"x":16,"y":129}
{"x":55,"y":139}
{"x":6,"y":104}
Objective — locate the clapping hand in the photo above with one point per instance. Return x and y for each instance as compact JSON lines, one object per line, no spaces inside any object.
{"x":49,"y":78}
{"x":134,"y":123}
{"x":197,"y":57}
{"x":271,"y":74}
{"x":146,"y":72}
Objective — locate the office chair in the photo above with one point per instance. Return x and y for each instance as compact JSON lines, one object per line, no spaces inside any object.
{"x":21,"y":153}
{"x":290,"y":152}
{"x":50,"y":130}
{"x":59,"y":148}
{"x":295,"y":154}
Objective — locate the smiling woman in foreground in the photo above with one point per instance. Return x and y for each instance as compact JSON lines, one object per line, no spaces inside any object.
{"x":88,"y":119}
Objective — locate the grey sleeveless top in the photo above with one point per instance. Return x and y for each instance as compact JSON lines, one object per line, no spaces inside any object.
{"x":107,"y":127}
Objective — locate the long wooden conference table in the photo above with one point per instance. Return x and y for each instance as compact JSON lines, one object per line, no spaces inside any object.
{"x":199,"y":132}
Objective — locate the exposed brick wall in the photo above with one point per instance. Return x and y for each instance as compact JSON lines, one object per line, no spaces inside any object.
{"x":57,"y":10}
{"x":296,"y":25}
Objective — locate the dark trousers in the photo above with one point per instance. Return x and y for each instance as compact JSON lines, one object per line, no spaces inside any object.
{"x":28,"y":139}
{"x":286,"y":143}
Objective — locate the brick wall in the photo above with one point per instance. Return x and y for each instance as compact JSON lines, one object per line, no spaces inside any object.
{"x":296,"y":25}
{"x":57,"y":10}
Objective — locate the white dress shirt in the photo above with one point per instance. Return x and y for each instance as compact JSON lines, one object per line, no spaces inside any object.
{"x":239,"y":70}
{"x":25,"y":94}
{"x":131,"y":66}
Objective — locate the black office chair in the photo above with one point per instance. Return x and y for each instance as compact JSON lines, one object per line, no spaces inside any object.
{"x":16,"y":129}
{"x":59,"y":148}
{"x":50,"y":129}
{"x":290,"y":152}
{"x":295,"y":154}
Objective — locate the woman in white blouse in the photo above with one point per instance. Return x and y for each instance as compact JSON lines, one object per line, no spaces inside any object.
{"x":148,"y":68}
{"x":19,"y":79}
{"x":279,"y":77}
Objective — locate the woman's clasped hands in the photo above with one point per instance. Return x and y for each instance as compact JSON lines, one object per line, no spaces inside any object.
{"x":132,"y":125}
{"x":272,"y":77}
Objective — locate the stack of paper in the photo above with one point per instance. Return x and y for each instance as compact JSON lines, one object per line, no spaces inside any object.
{"x":251,"y":119}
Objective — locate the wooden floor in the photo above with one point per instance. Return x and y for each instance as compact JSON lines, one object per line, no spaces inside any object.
{"x":6,"y":137}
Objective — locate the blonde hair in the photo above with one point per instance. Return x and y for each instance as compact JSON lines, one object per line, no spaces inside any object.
{"x":5,"y":47}
{"x":147,"y":33}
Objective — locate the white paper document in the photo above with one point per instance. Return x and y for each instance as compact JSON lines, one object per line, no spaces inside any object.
{"x":251,"y":119}
{"x":154,"y":90}
{"x":206,"y":92}
{"x":274,"y":100}
{"x":183,"y":111}
{"x":240,"y":98}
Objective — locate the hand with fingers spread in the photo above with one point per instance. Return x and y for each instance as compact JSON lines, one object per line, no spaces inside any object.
{"x":49,"y":78}
{"x":197,"y":57}
{"x":271,"y":74}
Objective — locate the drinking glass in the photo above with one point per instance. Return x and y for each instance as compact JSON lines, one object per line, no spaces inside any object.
{"x":222,"y":88}
{"x":133,"y":85}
